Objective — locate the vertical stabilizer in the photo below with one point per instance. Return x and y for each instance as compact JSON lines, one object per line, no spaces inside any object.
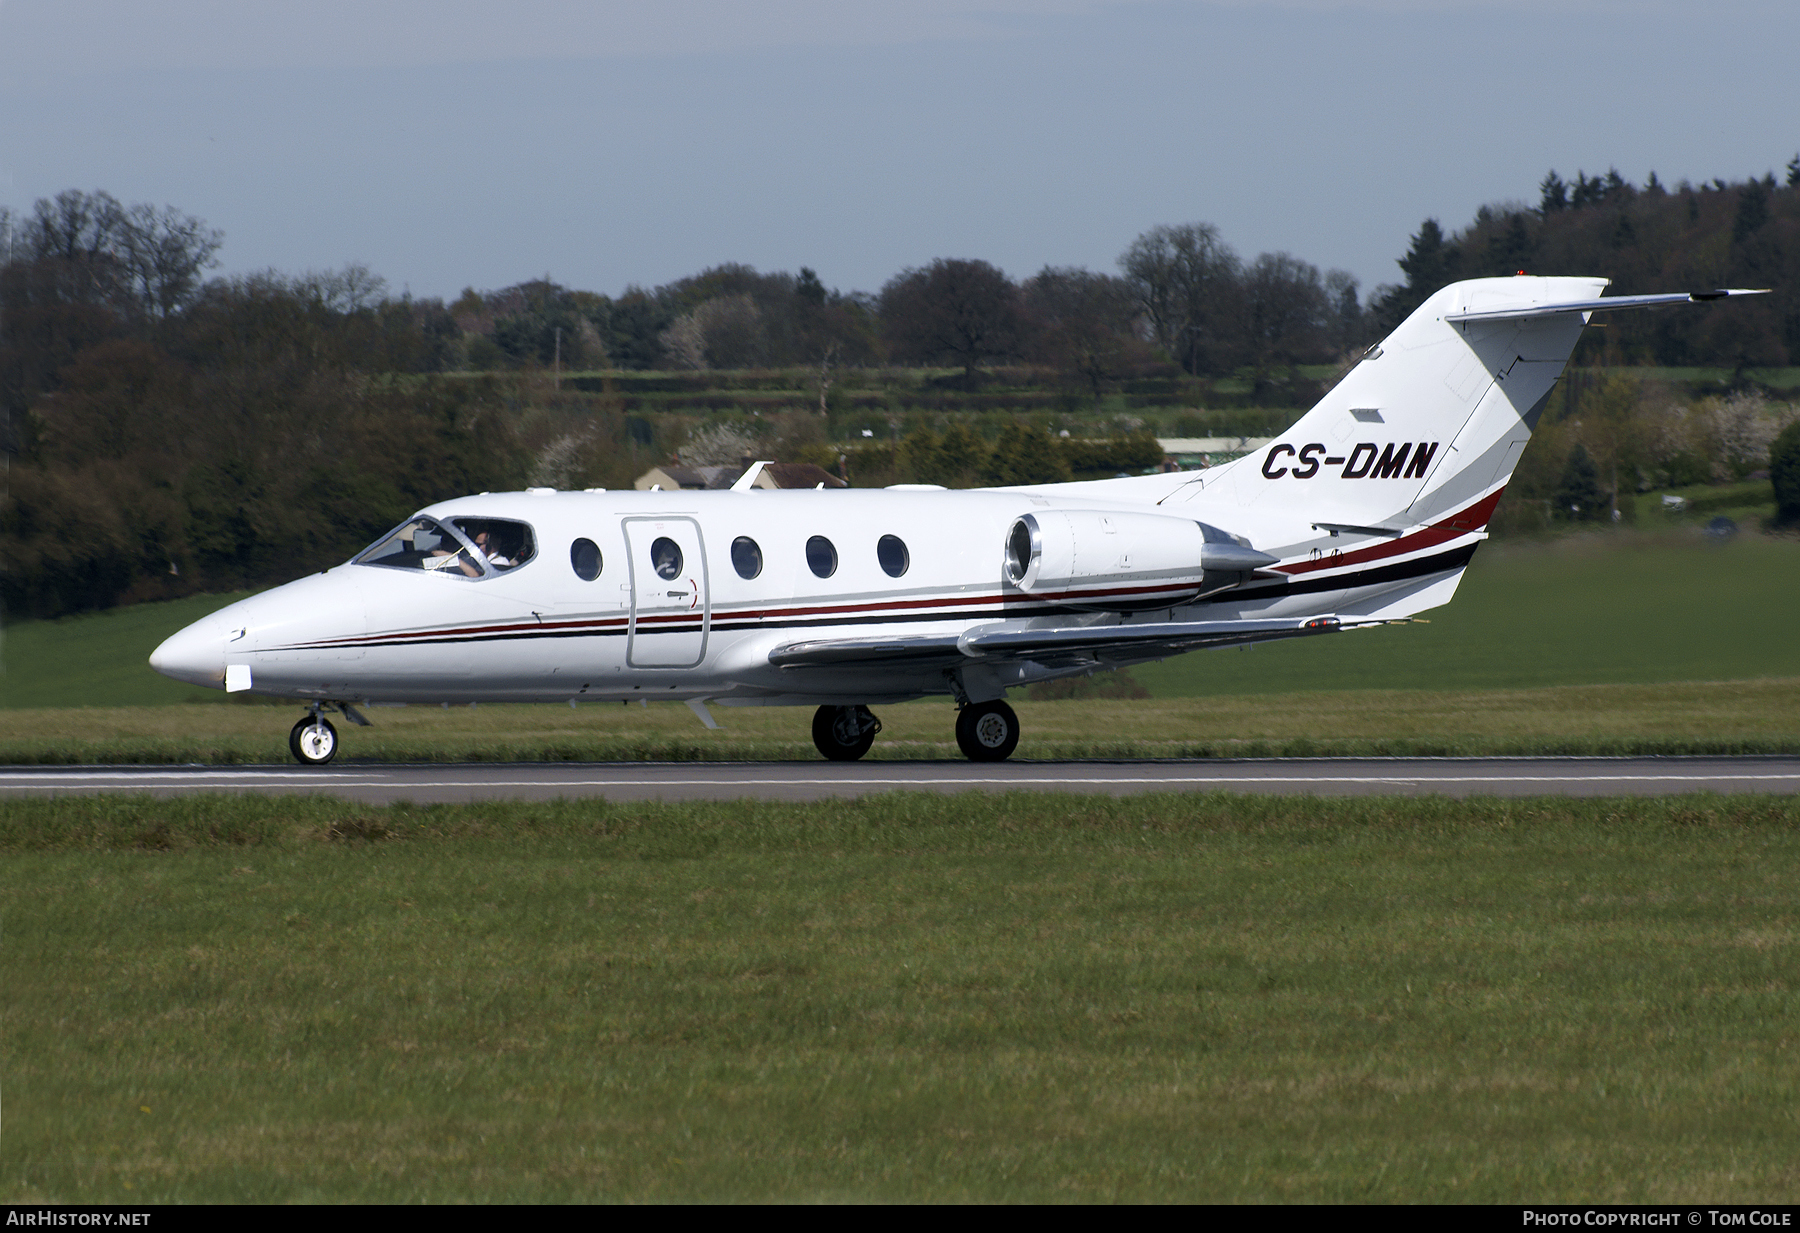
{"x":1430,"y":424}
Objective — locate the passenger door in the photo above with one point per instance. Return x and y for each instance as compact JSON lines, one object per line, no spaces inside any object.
{"x":671,"y":610}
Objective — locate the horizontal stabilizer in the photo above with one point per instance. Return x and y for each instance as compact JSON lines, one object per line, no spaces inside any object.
{"x":1335,"y":527}
{"x":1146,"y":640}
{"x":1609,"y":304}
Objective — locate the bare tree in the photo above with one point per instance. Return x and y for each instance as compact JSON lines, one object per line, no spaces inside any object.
{"x":348,"y":290}
{"x":163,"y":252}
{"x":1347,"y":316}
{"x":1083,"y":323}
{"x":1184,"y":279}
{"x":961,"y":311}
{"x":76,"y":225}
{"x":1285,"y":310}
{"x":138,"y":257}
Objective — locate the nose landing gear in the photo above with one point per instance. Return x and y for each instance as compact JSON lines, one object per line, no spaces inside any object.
{"x":844,"y":733}
{"x":313,"y":740}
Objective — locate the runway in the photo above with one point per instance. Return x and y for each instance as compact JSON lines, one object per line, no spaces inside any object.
{"x":813,"y":781}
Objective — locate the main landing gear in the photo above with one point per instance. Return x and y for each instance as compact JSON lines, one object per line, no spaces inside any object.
{"x":844,"y":733}
{"x":985,"y":731}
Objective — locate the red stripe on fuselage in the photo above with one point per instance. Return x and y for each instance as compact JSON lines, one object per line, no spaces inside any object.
{"x":1458,"y":524}
{"x":721,"y":614}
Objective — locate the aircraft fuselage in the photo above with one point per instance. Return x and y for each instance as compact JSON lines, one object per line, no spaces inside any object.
{"x":837,"y":564}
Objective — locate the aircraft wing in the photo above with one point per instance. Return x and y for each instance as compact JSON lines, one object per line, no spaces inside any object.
{"x":1074,"y":643}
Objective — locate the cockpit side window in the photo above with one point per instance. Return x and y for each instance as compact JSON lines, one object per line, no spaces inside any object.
{"x":505,"y":545}
{"x":426,"y":544}
{"x":470,"y":548}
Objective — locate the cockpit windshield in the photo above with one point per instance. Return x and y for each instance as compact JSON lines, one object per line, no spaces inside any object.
{"x":456,"y":548}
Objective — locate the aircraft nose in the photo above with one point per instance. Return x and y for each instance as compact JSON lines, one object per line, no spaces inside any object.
{"x":195,"y":655}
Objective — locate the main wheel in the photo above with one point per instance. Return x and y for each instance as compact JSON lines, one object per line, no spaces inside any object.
{"x":987,"y":731}
{"x":314,"y":741}
{"x":844,"y":733}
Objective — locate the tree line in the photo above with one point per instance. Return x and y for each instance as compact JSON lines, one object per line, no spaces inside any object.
{"x":166,"y":431}
{"x":1181,"y":295}
{"x":1646,"y":238}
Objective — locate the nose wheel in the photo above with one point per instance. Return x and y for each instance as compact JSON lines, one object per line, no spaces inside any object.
{"x":987,"y":731}
{"x":314,"y":741}
{"x":844,"y":733}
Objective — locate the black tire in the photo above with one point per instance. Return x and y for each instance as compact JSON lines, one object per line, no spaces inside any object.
{"x":987,"y":731}
{"x":314,"y":741}
{"x":844,"y":733}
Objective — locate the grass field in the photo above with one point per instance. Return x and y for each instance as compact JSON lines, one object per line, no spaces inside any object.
{"x":1022,"y":998}
{"x":1590,"y":610}
{"x":100,"y":658}
{"x":1730,"y":717}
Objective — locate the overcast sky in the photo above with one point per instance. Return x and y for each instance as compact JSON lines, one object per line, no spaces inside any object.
{"x":449,"y":143}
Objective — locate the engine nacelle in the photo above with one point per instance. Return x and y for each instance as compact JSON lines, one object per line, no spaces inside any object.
{"x":1123,"y":561}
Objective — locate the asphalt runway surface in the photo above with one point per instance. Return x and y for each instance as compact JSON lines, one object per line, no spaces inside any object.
{"x":812,"y":781}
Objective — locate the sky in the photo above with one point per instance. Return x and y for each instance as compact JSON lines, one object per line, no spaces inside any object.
{"x":452,"y":143}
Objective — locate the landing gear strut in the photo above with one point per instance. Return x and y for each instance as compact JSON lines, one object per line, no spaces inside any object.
{"x":844,"y":733}
{"x":313,"y":740}
{"x":987,"y":731}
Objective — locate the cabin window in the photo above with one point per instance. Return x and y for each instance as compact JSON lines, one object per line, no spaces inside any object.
{"x":584,"y":555}
{"x":665,"y":558}
{"x":746,"y":557}
{"x":821,"y":556}
{"x":892,"y":554}
{"x":457,"y":548}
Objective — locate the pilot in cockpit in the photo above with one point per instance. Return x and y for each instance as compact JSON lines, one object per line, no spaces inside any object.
{"x":495,"y":549}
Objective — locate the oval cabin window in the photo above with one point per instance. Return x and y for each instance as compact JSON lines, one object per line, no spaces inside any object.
{"x":892,"y":554}
{"x":665,"y":557}
{"x":746,"y":557}
{"x":584,"y":555}
{"x":821,"y":556}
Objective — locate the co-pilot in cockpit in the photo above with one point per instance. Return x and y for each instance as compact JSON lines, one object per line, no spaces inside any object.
{"x":461,"y":547}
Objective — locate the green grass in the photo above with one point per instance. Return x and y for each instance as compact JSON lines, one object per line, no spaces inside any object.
{"x":1023,"y":998}
{"x":1773,"y":378}
{"x":100,"y":658}
{"x":1730,"y":717}
{"x":1606,"y":608}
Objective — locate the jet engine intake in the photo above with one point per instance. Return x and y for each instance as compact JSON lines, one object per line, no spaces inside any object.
{"x":1119,"y":562}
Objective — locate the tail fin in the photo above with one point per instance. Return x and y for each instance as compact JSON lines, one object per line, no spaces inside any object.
{"x":1430,"y":424}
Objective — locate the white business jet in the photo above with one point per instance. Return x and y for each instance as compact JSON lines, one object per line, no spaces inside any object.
{"x":1366,"y":511}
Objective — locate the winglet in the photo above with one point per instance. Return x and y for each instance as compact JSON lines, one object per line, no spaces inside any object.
{"x":748,"y":478}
